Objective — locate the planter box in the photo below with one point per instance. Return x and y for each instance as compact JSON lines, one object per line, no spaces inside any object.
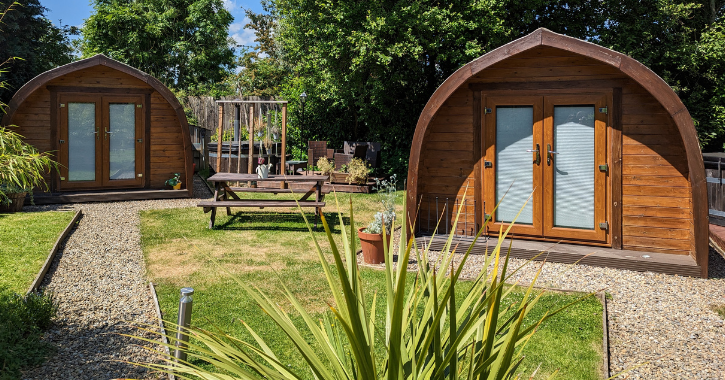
{"x":339,"y":177}
{"x":16,"y":203}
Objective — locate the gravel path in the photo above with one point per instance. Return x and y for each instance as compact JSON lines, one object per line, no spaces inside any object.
{"x":99,"y":281}
{"x":661,"y":320}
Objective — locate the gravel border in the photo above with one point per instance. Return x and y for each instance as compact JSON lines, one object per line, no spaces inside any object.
{"x":98,"y":278}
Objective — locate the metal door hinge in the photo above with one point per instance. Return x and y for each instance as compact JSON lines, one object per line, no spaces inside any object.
{"x":62,"y":141}
{"x":138,"y":106}
{"x":139,"y":140}
{"x":603,"y":110}
{"x":486,"y":216}
{"x":139,"y":175}
{"x":487,"y":110}
{"x":604,"y":226}
{"x":487,"y":164}
{"x":62,"y":178}
{"x":62,"y":105}
{"x":604,"y":168}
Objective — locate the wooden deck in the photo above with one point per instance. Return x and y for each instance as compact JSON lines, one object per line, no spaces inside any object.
{"x":682,"y":265}
{"x":105,"y":196}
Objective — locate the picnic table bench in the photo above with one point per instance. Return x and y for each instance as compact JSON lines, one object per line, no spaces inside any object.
{"x":225,"y":195}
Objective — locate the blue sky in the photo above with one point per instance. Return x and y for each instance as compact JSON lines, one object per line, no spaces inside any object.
{"x":73,"y":12}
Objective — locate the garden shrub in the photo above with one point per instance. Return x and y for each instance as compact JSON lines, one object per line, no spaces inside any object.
{"x":23,"y":319}
{"x":358,"y":172}
{"x":326,"y":166}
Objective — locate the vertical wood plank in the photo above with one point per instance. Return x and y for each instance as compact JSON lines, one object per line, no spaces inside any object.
{"x":147,"y":141}
{"x":283,"y":164}
{"x":219,"y":139}
{"x":250,"y":156}
{"x":477,"y":179}
{"x":54,"y":133}
{"x":616,"y":171}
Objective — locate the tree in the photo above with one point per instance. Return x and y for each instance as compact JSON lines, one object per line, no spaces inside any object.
{"x":31,"y":42}
{"x":183,"y":43}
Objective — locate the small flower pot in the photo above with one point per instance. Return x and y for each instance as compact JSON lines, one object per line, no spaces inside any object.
{"x":16,"y":203}
{"x":177,"y":186}
{"x":372,"y":246}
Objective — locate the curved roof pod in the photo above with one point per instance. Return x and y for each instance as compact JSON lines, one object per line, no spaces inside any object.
{"x":637,"y":72}
{"x":101,"y":60}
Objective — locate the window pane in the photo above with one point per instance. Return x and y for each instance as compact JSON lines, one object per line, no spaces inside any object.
{"x":123,"y":137}
{"x":81,"y":142}
{"x":574,"y":167}
{"x":514,"y":136}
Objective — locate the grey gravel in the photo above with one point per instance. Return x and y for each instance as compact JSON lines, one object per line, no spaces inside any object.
{"x":98,"y":278}
{"x":660,"y":325}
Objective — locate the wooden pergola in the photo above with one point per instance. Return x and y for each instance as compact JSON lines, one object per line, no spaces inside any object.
{"x":252,"y":103}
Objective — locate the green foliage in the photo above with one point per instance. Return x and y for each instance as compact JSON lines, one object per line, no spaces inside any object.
{"x":427,"y":333}
{"x":31,"y":41}
{"x":183,"y":43}
{"x":175,"y":180}
{"x":21,"y":165}
{"x":22,"y":322}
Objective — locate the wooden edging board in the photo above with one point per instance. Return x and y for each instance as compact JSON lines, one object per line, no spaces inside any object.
{"x":162,"y":330}
{"x":49,"y":260}
{"x":601,"y":295}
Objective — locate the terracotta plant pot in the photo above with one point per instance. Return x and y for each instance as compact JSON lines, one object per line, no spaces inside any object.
{"x":372,"y":246}
{"x":16,"y":203}
{"x":177,"y":186}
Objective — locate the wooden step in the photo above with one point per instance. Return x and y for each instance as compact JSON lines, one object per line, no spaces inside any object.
{"x":259,"y":203}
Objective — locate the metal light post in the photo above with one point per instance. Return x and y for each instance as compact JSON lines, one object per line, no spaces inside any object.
{"x":183,"y":322}
{"x":303,"y":97}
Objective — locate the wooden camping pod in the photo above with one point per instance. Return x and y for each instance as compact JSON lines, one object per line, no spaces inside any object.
{"x":651,"y":193}
{"x":155,"y":140}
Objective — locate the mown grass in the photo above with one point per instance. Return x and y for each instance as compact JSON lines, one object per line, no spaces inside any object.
{"x":266,"y":247}
{"x":25,"y":240}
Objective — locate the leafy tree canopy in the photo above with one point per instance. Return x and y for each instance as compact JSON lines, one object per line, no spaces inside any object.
{"x":26,"y":34}
{"x":183,"y":43}
{"x":368,"y":68}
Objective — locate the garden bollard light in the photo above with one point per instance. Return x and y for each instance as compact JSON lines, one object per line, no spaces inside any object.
{"x":184,"y":321}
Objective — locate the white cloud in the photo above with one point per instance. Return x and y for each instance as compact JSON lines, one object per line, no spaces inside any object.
{"x":230,"y":5}
{"x":240,"y":35}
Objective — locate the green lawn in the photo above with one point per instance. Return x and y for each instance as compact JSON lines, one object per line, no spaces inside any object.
{"x":264,"y":247}
{"x":25,"y":240}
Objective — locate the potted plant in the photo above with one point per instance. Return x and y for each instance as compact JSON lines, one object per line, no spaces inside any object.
{"x":22,"y":168}
{"x":326,"y":166}
{"x":371,"y":237}
{"x":174,"y":182}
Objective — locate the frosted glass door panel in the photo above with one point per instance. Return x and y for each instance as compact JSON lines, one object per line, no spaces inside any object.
{"x":514,"y":136}
{"x":574,"y":166}
{"x":81,"y":142}
{"x":122,"y":152}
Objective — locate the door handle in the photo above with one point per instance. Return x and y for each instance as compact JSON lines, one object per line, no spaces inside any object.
{"x":550,"y":154}
{"x":537,"y":160}
{"x":96,"y":133}
{"x":107,"y":132}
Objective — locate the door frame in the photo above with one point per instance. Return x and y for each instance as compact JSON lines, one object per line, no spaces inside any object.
{"x":57,"y":93}
{"x":613,"y":148}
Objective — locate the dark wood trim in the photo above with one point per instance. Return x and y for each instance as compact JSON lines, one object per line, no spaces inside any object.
{"x":101,"y":90}
{"x":54,"y":131}
{"x":598,"y":84}
{"x":640,"y":74}
{"x":682,"y":265}
{"x":477,"y":175}
{"x":147,"y":142}
{"x":105,"y":196}
{"x":615,"y":172}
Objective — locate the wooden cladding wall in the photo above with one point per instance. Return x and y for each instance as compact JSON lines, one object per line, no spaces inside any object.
{"x":167,"y":152}
{"x":656,"y":205}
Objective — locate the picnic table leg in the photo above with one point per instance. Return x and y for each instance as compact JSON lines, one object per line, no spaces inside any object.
{"x":318,"y":198}
{"x":226,"y":197}
{"x":213,"y":215}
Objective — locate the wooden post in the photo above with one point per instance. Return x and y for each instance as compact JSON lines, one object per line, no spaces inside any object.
{"x":250,"y":156}
{"x":283,"y":164}
{"x":219,"y":139}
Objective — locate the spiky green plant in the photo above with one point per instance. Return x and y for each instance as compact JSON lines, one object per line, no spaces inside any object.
{"x":427,"y":333}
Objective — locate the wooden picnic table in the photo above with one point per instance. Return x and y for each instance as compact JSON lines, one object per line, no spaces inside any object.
{"x":225,"y":196}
